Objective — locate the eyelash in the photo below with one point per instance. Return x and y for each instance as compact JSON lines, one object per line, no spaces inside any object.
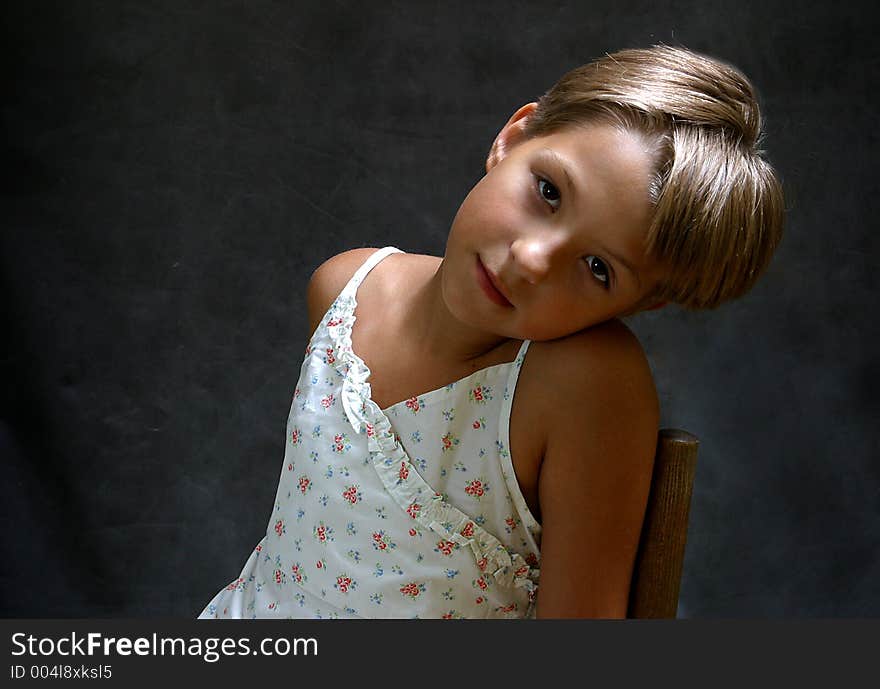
{"x":606,"y":283}
{"x":543,"y":180}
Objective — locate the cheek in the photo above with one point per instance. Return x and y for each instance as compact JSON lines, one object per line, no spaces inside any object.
{"x":491,"y":209}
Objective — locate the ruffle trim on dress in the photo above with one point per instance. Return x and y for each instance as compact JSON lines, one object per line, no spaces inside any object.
{"x":400,"y":478}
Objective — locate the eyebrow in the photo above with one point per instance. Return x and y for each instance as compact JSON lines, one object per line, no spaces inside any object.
{"x":625,"y":263}
{"x":560,"y":163}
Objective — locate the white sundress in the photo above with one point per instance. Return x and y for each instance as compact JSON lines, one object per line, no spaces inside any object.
{"x":404,"y":512}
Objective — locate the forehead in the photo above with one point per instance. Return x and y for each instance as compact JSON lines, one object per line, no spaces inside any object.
{"x":613,"y":160}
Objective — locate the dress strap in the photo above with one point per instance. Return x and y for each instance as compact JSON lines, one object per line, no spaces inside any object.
{"x":532,"y":526}
{"x":521,"y":354}
{"x":366,"y":267}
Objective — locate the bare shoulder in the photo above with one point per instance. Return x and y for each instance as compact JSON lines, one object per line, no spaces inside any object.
{"x":601,"y":430}
{"x":329,"y":278}
{"x":594,"y":369}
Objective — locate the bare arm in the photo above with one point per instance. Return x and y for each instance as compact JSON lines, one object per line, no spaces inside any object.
{"x":595,"y":474}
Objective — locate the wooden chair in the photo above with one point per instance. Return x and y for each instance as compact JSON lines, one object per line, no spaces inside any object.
{"x":657,"y":570}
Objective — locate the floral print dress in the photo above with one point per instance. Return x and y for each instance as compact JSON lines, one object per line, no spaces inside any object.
{"x":404,"y":512}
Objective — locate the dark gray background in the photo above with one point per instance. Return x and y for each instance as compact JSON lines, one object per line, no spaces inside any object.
{"x":174,"y":171}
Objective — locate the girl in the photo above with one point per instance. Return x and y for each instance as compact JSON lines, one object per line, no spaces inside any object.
{"x":473,"y":435}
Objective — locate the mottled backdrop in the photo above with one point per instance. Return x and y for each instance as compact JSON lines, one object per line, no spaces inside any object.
{"x":173,"y":172}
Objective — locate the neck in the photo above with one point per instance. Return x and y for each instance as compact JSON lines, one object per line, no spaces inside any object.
{"x":436,"y":334}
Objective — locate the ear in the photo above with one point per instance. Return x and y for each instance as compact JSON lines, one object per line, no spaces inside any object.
{"x":510,"y":135}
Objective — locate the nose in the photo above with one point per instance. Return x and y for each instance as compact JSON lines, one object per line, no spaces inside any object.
{"x":535,"y":254}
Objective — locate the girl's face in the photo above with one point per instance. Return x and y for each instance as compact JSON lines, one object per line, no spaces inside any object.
{"x":558,"y":225}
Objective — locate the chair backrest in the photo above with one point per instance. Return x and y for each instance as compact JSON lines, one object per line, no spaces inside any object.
{"x":657,"y":572}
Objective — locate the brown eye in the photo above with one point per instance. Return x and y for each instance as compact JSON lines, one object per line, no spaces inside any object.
{"x":598,"y":268}
{"x":549,"y":193}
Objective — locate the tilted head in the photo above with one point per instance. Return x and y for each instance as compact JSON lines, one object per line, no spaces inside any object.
{"x":717,"y":204}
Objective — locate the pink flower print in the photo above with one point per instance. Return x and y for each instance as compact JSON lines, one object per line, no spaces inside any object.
{"x":296,"y":436}
{"x":344,"y":583}
{"x":448,"y":441}
{"x":328,"y":401}
{"x":333,"y":322}
{"x":341,"y":443}
{"x":481,"y":583}
{"x":413,"y":405}
{"x":403,"y":474}
{"x":235,"y":584}
{"x":412,"y":532}
{"x":447,"y":615}
{"x":305,"y":484}
{"x":413,"y":509}
{"x":445,"y":547}
{"x":479,"y":600}
{"x":290,"y":466}
{"x":259,"y":547}
{"x":531,"y":560}
{"x":278,"y":576}
{"x":475,"y":488}
{"x":298,"y":392}
{"x":412,"y":589}
{"x":352,"y":494}
{"x":476,"y":425}
{"x":297,"y":572}
{"x":511,"y":522}
{"x":330,"y":358}
{"x":480,"y":394}
{"x":379,"y":541}
{"x":370,"y":430}
{"x":320,"y":564}
{"x":279,"y":527}
{"x":481,"y":563}
{"x":323,"y":532}
{"x":468,"y":530}
{"x":506,"y":608}
{"x":521,"y":572}
{"x":271,"y":606}
{"x":308,"y":349}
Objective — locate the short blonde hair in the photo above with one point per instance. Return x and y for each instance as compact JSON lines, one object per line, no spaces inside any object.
{"x":718,"y":205}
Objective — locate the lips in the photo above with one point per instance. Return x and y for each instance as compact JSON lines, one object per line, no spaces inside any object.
{"x":490,"y":286}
